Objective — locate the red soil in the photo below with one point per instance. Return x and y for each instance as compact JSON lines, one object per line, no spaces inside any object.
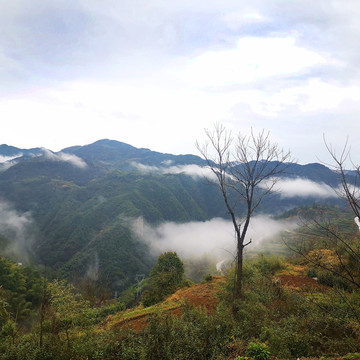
{"x":199,"y":296}
{"x":302,"y":282}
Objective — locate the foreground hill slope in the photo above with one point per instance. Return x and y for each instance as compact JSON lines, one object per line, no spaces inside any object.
{"x":285,"y":309}
{"x":202,"y":296}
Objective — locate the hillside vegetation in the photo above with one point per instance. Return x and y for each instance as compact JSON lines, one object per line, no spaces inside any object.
{"x":79,"y":278}
{"x":284,"y":313}
{"x":81,"y":204}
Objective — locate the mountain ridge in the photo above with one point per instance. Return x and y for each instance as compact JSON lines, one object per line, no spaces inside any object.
{"x":81,"y":199}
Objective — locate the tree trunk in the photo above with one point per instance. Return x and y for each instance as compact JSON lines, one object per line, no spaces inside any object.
{"x":68,"y":341}
{"x":239,"y":270}
{"x":41,"y":334}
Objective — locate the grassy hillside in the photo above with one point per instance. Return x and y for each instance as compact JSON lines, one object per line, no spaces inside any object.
{"x":284,"y":314}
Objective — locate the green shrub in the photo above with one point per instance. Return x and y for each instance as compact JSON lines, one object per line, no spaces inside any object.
{"x":258,"y":351}
{"x":268,"y":265}
{"x":165,"y":278}
{"x":311,"y":273}
{"x":235,"y":348}
{"x":352,"y":356}
{"x":328,"y":279}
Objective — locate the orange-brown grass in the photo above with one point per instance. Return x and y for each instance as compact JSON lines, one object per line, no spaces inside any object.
{"x":300,"y":282}
{"x":293,"y":270}
{"x":294,"y":278}
{"x":199,"y":295}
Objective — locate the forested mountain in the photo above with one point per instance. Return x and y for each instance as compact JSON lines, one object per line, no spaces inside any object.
{"x":14,"y":152}
{"x":80,"y":204}
{"x":119,"y":155}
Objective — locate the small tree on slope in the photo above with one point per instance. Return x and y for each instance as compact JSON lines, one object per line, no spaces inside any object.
{"x":166,"y":276}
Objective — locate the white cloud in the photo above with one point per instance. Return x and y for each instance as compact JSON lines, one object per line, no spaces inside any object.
{"x":167,"y":162}
{"x":354,"y":191}
{"x":313,"y":96}
{"x":4,"y":159}
{"x":236,"y":20}
{"x":195,"y":171}
{"x":17,"y":229}
{"x":7,"y":165}
{"x":299,"y":187}
{"x":7,"y":162}
{"x":70,"y":158}
{"x":253,"y":59}
{"x":155,"y":74}
{"x":215,"y":237}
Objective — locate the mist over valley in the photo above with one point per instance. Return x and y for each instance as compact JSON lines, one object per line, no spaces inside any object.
{"x":108,"y":209}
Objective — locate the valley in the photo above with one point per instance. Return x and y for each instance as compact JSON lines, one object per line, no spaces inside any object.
{"x":82,"y":203}
{"x":80,"y":227}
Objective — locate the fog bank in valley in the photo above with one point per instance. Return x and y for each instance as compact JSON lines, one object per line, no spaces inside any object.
{"x":214,"y":237}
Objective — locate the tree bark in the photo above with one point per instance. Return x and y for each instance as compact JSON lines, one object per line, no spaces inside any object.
{"x":239,"y":271}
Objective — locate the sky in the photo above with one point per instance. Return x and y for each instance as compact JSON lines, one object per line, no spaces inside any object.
{"x":155,"y":74}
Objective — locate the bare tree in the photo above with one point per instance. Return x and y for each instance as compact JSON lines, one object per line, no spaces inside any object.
{"x":350,"y":190}
{"x":332,"y":231}
{"x":245,"y":170}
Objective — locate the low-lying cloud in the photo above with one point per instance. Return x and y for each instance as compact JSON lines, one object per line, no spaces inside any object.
{"x":65,"y":157}
{"x":4,"y":159}
{"x":195,"y":171}
{"x":6,"y":165}
{"x":286,"y":187}
{"x":215,"y":237}
{"x":7,"y":162}
{"x":17,"y":228}
{"x":299,"y":187}
{"x":92,"y":271}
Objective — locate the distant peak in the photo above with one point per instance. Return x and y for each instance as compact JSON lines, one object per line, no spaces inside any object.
{"x":7,"y":150}
{"x":110,"y":142}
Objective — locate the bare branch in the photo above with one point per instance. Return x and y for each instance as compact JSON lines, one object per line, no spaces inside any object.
{"x":241,"y":175}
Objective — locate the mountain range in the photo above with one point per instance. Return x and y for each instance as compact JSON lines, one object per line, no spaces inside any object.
{"x":75,"y":211}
